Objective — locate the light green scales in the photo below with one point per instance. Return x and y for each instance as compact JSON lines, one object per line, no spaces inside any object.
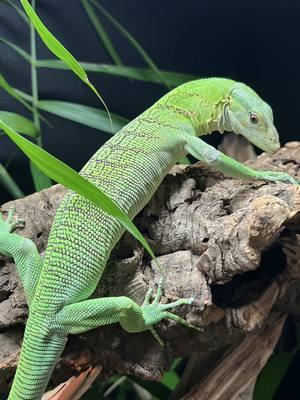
{"x":128,"y":168}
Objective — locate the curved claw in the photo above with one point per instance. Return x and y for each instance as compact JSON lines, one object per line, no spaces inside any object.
{"x":160,"y":290}
{"x":148,"y":297}
{"x":157,"y":337}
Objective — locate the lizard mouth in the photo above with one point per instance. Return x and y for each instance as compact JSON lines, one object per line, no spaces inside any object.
{"x":268,"y":142}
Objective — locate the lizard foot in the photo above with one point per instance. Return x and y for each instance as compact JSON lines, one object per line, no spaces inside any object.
{"x":8,"y":225}
{"x":278,"y":176}
{"x":155,"y":311}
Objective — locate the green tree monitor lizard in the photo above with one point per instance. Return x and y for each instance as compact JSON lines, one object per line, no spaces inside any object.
{"x":128,"y":168}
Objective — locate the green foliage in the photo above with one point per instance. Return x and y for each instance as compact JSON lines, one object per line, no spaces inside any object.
{"x":58,"y":49}
{"x":128,"y":387}
{"x":17,"y":49}
{"x":85,"y":115}
{"x":40,"y":180}
{"x":8,"y":182}
{"x":17,"y":9}
{"x":82,"y":114}
{"x":13,"y":93}
{"x":134,"y":43}
{"x":19,"y":123}
{"x":272,"y":374}
{"x":141,"y":74}
{"x":104,"y":37}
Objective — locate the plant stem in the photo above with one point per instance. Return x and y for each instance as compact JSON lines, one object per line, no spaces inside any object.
{"x":34,"y":83}
{"x":40,"y":180}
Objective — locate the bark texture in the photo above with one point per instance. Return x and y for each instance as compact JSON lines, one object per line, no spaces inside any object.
{"x":233,"y":245}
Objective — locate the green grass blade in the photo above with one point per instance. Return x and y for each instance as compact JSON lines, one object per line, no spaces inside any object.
{"x":12,"y":92}
{"x":142,"y":74}
{"x":7,"y":181}
{"x":62,"y":173}
{"x":23,"y":95}
{"x":40,"y":180}
{"x":19,"y":123}
{"x":157,"y":389}
{"x":170,"y":378}
{"x":271,"y":376}
{"x":17,"y":49}
{"x":134,"y":43}
{"x":58,"y":49}
{"x":99,"y":28}
{"x":17,"y":9}
{"x":83,"y":114}
{"x":53,"y":44}
{"x":20,"y":96}
{"x":28,"y":98}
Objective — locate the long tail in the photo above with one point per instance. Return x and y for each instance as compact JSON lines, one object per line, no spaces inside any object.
{"x":38,"y":358}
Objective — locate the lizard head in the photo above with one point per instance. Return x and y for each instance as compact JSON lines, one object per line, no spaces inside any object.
{"x":248,"y":115}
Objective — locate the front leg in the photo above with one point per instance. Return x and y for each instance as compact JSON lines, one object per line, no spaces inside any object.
{"x":219,"y":161}
{"x":90,"y":314}
{"x":23,"y":251}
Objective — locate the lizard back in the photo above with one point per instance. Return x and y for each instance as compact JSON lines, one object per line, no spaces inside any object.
{"x":128,"y":168}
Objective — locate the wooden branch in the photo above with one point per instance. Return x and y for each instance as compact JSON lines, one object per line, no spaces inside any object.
{"x":235,"y":374}
{"x":75,"y":387}
{"x":232,"y":244}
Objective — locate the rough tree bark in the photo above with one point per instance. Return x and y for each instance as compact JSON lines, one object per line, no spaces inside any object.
{"x":233,"y":245}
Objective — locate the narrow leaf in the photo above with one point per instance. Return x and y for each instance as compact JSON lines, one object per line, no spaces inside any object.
{"x":11,"y":186}
{"x":52,"y":43}
{"x":83,"y":114}
{"x":58,"y":49}
{"x":40,"y":180}
{"x":272,"y":374}
{"x":17,"y":9}
{"x":19,"y":123}
{"x":62,"y":173}
{"x":170,"y":380}
{"x":105,"y":39}
{"x":134,"y":43}
{"x":20,"y":96}
{"x":24,"y":95}
{"x":12,"y":92}
{"x":17,"y":49}
{"x":142,"y":74}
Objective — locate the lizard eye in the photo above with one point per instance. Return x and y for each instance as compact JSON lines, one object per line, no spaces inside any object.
{"x":253,"y":118}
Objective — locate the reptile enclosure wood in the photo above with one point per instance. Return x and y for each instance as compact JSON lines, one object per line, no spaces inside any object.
{"x":232,"y":244}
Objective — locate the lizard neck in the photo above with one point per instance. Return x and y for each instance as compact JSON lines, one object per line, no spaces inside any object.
{"x":199,"y":105}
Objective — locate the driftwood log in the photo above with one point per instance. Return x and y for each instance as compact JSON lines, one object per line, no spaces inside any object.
{"x":233,"y":245}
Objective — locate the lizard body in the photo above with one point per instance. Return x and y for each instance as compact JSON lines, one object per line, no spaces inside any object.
{"x":128,"y":168}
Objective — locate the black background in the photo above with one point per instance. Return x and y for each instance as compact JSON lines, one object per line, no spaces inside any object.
{"x":257,"y":42}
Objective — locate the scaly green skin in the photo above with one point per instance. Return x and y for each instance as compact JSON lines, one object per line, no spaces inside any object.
{"x":128,"y":168}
